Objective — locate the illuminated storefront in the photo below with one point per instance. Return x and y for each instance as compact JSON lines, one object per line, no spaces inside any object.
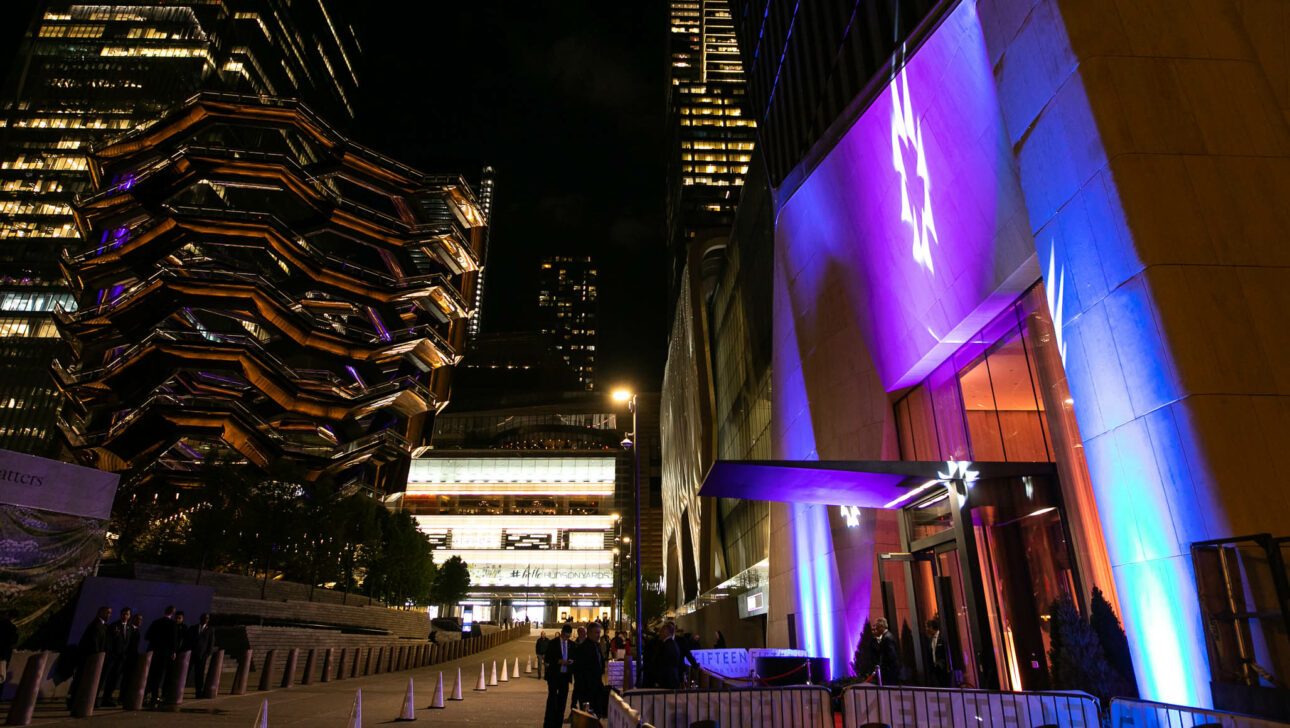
{"x":537,"y":529}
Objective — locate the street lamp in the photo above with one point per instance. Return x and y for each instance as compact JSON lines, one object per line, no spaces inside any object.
{"x":629,"y":397}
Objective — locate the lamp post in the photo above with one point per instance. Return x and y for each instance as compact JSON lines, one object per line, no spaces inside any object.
{"x":623,"y":395}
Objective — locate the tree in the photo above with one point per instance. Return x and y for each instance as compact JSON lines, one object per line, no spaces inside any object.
{"x":1115,"y":645}
{"x":452,"y":581}
{"x":1075,"y":655}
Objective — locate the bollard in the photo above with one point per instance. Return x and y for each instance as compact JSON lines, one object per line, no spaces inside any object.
{"x":243,"y":673}
{"x":289,"y":672}
{"x":310,"y":662}
{"x":266,"y":670}
{"x":380,"y":655}
{"x":87,"y":685}
{"x":138,"y":683}
{"x":389,"y":659}
{"x":213,"y":674}
{"x":172,"y":693}
{"x":327,"y":663}
{"x":353,"y":672}
{"x":24,"y":701}
{"x":367,"y":666}
{"x":398,"y":659}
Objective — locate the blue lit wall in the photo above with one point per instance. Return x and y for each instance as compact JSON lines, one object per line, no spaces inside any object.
{"x":1157,"y":219}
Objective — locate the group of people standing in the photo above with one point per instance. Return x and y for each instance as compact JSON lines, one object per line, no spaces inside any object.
{"x":580,"y":663}
{"x":120,"y":640}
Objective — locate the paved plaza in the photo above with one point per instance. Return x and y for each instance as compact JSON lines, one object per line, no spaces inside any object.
{"x":519,"y":702}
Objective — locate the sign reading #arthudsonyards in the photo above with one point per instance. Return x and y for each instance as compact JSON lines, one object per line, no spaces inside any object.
{"x":53,"y":517}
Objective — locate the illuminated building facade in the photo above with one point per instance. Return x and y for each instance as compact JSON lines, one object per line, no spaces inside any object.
{"x":535,"y":496}
{"x":1029,"y":303}
{"x":89,"y":70}
{"x":258,"y":287}
{"x":568,"y":310}
{"x":711,"y":136}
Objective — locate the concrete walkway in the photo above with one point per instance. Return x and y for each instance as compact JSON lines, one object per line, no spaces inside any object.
{"x":519,"y":702}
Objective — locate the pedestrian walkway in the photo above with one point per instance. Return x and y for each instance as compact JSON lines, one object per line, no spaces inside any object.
{"x":519,"y":702}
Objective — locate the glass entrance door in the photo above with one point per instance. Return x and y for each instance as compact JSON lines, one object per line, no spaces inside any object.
{"x":925,"y":606}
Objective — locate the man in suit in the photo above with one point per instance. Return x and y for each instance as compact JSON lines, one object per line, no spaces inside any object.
{"x":939,"y":654}
{"x":201,"y":640}
{"x":542,"y":643}
{"x":93,"y":641}
{"x":886,"y":653}
{"x":670,"y":667}
{"x":117,"y":635}
{"x":163,"y":643}
{"x":559,"y":670}
{"x":589,"y":672}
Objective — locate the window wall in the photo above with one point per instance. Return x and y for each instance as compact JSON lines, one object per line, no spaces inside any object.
{"x":1003,"y":397}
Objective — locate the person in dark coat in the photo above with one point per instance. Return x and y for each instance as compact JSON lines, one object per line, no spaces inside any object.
{"x":201,"y":640}
{"x":559,"y":660}
{"x":720,"y":642}
{"x":93,"y":641}
{"x":670,"y":664}
{"x":886,"y":654}
{"x":542,"y":643}
{"x":589,"y":672}
{"x":133,"y":636}
{"x":117,"y":636}
{"x":163,"y":643}
{"x":8,"y":640}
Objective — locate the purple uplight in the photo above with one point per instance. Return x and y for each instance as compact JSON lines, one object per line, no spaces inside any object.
{"x":920,"y":201}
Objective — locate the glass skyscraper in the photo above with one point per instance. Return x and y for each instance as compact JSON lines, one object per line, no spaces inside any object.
{"x":91,"y":70}
{"x":711,"y":137}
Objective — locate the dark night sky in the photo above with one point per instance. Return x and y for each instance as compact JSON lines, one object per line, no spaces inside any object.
{"x":566,"y":101}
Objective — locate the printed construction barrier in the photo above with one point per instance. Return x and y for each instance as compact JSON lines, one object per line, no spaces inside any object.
{"x":911,"y":707}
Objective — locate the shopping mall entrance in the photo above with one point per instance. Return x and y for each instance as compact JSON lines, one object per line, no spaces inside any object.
{"x":968,"y":598}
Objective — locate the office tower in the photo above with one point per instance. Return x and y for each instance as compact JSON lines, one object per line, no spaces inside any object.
{"x":567,"y":311}
{"x":234,"y":304}
{"x":711,"y":138}
{"x":487,"y":179}
{"x":89,"y":70}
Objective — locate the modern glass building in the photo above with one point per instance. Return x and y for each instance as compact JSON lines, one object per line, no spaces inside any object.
{"x":258,"y":287}
{"x":89,"y":70}
{"x":1028,"y":314}
{"x":568,"y":309}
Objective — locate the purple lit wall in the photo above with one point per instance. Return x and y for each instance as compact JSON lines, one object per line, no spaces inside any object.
{"x":919,"y":199}
{"x":913,"y":232}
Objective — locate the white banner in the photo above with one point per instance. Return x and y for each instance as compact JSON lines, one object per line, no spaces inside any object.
{"x":31,"y":482}
{"x":756,"y":652}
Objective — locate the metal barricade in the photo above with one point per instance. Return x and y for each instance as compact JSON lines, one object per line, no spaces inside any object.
{"x":621,"y":715}
{"x":901,"y":707}
{"x":1126,"y":713}
{"x":808,"y":706}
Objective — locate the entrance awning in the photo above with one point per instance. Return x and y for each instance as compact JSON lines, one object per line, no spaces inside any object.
{"x":864,"y":483}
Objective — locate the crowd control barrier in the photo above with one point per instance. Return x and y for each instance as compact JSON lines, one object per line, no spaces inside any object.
{"x":808,"y":706}
{"x":901,"y":707}
{"x":1127,"y":713}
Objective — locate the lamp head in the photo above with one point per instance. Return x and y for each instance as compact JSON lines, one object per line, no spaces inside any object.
{"x":622,"y":395}
{"x":626,"y":443}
